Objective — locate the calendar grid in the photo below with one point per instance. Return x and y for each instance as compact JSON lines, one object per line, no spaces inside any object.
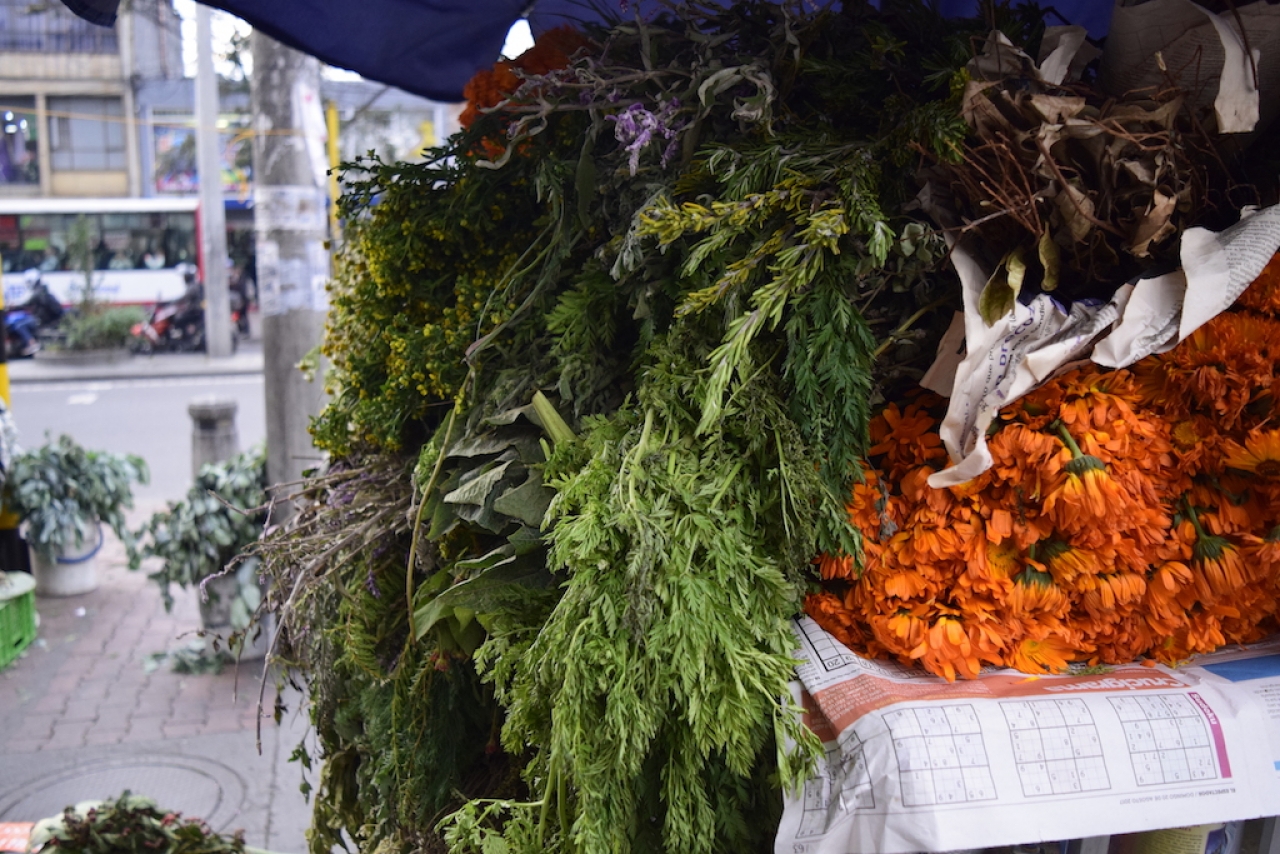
{"x":831,"y":654}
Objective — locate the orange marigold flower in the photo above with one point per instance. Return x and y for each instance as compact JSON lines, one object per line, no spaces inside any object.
{"x":1220,"y":569}
{"x":946,"y":650}
{"x":1113,"y":590}
{"x":1066,"y":563}
{"x":906,"y":438}
{"x":1162,"y":609}
{"x":1035,"y":596}
{"x":871,"y":509}
{"x":1263,"y":295}
{"x":1218,"y":370}
{"x":830,"y":612}
{"x":1196,"y":444}
{"x":1050,"y":654}
{"x":1087,"y":495}
{"x":488,"y":88}
{"x":552,"y":50}
{"x":1003,"y":560}
{"x":836,"y":566}
{"x":899,"y":632}
{"x":1096,"y":399}
{"x":1265,"y":553}
{"x":1259,"y":455}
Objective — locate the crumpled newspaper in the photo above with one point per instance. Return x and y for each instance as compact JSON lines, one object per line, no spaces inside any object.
{"x":1038,"y":340}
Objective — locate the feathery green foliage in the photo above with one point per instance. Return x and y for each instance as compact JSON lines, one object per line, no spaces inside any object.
{"x":692,"y":246}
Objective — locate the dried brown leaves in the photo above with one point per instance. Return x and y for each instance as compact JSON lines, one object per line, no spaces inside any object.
{"x":1065,"y":187}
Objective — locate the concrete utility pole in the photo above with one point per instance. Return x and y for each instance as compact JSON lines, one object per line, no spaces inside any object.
{"x":289,"y":226}
{"x":213,"y":216}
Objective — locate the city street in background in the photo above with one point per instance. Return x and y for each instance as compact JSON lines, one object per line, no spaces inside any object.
{"x":147,"y":417}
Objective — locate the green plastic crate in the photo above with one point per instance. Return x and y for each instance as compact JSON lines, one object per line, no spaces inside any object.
{"x":17,"y":615}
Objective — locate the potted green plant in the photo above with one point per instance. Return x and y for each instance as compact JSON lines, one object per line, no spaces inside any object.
{"x":64,"y":494}
{"x":199,"y":538}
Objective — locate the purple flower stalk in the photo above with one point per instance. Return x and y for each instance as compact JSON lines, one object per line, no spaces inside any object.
{"x":636,"y":127}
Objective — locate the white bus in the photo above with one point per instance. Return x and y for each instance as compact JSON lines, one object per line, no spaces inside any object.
{"x":140,"y":247}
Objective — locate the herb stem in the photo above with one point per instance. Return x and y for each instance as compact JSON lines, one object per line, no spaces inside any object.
{"x":427,"y":489}
{"x":1065,"y":435}
{"x":1194,"y":517}
{"x":906,"y":325}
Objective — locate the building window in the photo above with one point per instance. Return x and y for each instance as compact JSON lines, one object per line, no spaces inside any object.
{"x":50,"y":28}
{"x":86,"y":134}
{"x":19,"y":154}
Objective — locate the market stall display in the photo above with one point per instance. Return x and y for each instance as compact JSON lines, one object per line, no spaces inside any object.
{"x":608,"y":367}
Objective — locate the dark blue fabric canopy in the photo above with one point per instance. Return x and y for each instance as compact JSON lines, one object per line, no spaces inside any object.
{"x":433,"y":47}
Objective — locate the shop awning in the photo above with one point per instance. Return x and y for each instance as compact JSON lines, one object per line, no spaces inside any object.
{"x":433,"y":47}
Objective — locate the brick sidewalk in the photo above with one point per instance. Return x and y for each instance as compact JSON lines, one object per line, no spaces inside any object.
{"x":83,"y":686}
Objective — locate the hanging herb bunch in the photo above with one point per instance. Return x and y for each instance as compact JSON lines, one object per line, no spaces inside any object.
{"x":604,"y":370}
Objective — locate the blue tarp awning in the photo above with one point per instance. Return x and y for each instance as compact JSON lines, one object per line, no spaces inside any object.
{"x":433,"y":47}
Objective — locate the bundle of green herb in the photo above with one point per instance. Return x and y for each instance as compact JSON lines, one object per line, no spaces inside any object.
{"x":604,"y":366}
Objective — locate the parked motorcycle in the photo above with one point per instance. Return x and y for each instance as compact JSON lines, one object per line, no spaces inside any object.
{"x":176,"y":327}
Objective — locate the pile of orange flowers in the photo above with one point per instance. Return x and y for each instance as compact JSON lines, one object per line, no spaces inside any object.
{"x":490,"y":87}
{"x":1129,"y":513}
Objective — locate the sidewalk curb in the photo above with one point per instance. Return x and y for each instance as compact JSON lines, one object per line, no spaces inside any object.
{"x":164,"y":366}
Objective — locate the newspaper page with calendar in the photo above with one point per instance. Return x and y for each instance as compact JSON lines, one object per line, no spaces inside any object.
{"x":914,"y":763}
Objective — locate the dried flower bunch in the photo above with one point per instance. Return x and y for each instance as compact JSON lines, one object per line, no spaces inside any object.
{"x":1073,"y":190}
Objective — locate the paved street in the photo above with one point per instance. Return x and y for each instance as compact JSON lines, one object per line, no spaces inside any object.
{"x":146,"y":416}
{"x":81,"y":715}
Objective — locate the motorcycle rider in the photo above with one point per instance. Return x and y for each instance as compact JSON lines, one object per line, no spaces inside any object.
{"x":40,"y":310}
{"x":44,"y":305}
{"x":190,"y":305}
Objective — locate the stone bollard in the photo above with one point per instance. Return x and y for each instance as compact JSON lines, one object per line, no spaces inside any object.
{"x":213,"y":431}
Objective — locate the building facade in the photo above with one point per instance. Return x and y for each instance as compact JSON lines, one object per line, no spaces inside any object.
{"x":68,"y":96}
{"x":89,"y":111}
{"x":90,"y":114}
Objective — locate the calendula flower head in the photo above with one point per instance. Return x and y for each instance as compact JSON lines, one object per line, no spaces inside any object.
{"x":947,"y":650}
{"x":830,"y":611}
{"x":1216,"y":561}
{"x":1049,"y":654}
{"x":1259,"y":455}
{"x":901,"y":631}
{"x":906,"y":438}
{"x":1086,"y":495}
{"x":489,"y":87}
{"x":1162,"y":610}
{"x":1036,"y":599}
{"x":1217,"y":371}
{"x":1263,"y":295}
{"x":1094,"y":399}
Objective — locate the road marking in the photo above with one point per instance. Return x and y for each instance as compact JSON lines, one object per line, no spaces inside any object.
{"x":82,"y":399}
{"x":160,"y":382}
